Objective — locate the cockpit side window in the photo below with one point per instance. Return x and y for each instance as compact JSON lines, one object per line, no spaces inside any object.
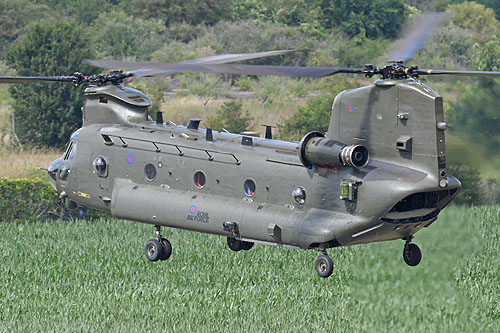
{"x":69,"y":151}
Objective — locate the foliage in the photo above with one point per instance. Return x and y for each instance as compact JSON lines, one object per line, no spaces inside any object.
{"x":471,"y":192}
{"x":315,"y":116}
{"x":27,"y":199}
{"x":15,"y":16}
{"x":441,"y":5}
{"x":255,"y":36}
{"x":368,"y":18}
{"x":340,"y":51}
{"x":178,"y":11}
{"x":476,"y":112}
{"x":474,"y":16}
{"x":231,"y":117}
{"x":47,"y":113}
{"x":82,"y":11}
{"x":119,"y":36}
{"x":33,"y":199}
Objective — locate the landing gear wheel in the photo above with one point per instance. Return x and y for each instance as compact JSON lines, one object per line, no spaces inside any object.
{"x":166,"y":249}
{"x":324,"y":266}
{"x":153,"y":250}
{"x":246,"y":245}
{"x":412,"y":254}
{"x":234,"y":244}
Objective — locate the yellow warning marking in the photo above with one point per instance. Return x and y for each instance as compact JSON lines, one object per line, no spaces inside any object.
{"x":85,"y":195}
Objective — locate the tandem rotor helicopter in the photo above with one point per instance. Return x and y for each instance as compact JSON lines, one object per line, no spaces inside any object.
{"x":378,"y":174}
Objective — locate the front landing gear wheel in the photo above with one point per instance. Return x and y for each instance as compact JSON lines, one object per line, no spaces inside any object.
{"x":412,"y":254}
{"x":324,"y":266}
{"x":153,"y":250}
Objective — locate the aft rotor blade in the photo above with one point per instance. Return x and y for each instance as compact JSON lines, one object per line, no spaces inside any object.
{"x":31,"y":79}
{"x":415,"y":35}
{"x":292,"y":71}
{"x":446,"y":72}
{"x":218,"y":59}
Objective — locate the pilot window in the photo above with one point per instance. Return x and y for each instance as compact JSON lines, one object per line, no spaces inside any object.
{"x":69,"y":150}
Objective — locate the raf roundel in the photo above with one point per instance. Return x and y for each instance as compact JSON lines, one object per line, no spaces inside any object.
{"x":192,"y":209}
{"x":130,"y":159}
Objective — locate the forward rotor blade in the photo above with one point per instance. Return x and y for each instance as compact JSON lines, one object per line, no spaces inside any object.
{"x":292,"y":71}
{"x":415,"y":35}
{"x":446,"y":72}
{"x":227,"y":58}
{"x":31,"y":79}
{"x":218,"y":59}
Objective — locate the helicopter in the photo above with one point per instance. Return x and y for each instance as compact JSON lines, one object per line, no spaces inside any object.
{"x":378,"y":173}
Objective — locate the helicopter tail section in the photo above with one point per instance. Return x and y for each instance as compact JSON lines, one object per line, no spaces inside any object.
{"x":398,"y":121}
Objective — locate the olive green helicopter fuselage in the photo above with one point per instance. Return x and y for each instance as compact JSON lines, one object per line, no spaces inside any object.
{"x":378,"y":174}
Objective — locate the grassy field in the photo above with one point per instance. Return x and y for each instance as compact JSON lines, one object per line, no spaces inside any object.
{"x":93,"y":276}
{"x":23,"y":165}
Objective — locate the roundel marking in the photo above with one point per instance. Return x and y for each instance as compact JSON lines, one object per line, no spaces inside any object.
{"x":130,"y":159}
{"x":192,"y":209}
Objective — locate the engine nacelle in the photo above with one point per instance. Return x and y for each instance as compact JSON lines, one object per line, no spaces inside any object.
{"x":315,"y":149}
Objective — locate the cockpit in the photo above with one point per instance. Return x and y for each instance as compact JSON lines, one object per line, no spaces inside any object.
{"x":60,"y":169}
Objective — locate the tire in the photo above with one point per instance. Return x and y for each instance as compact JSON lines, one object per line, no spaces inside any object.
{"x":153,"y":250}
{"x":324,"y":266}
{"x":166,"y":249}
{"x":234,"y":244}
{"x":246,"y":245}
{"x":412,"y":255}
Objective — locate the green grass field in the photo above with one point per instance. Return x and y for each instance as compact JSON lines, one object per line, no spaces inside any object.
{"x":93,"y":276}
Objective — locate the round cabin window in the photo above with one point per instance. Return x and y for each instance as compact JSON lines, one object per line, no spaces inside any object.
{"x":150,"y":172}
{"x":249,"y":187}
{"x":299,"y":194}
{"x":199,"y":179}
{"x":100,"y":165}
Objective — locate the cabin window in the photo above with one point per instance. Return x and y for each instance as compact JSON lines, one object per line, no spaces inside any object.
{"x":199,"y":179}
{"x":150,"y":172}
{"x":249,"y":187}
{"x":100,"y":166}
{"x":299,"y":194}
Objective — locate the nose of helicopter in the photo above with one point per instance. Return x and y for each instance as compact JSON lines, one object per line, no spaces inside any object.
{"x":52,"y":172}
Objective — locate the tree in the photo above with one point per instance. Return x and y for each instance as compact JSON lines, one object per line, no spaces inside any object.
{"x":47,"y":113}
{"x":315,"y":116}
{"x":231,"y":117}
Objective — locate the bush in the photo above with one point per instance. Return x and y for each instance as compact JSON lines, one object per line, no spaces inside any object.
{"x":28,"y":199}
{"x":31,"y":200}
{"x":231,"y":117}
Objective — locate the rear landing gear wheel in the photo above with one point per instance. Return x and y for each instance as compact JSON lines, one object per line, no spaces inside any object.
{"x":153,"y":250}
{"x":246,"y":245}
{"x":234,"y":244}
{"x":324,"y":266}
{"x":412,"y":254}
{"x":166,"y":249}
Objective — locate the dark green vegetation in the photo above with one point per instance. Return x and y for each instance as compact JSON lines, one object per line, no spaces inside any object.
{"x":74,"y":276}
{"x":48,"y":49}
{"x":33,"y":199}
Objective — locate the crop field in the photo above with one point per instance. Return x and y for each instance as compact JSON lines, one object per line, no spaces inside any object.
{"x":93,"y":276}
